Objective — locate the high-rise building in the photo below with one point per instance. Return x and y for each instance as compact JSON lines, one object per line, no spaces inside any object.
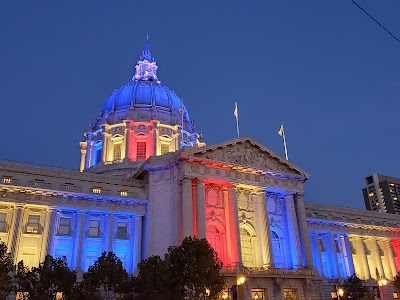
{"x":382,"y":194}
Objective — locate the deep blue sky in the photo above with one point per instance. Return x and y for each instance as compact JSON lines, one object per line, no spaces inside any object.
{"x":322,"y":67}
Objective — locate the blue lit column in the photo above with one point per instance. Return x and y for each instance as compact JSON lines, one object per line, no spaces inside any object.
{"x":334,"y":260}
{"x":137,"y":244}
{"x":110,"y":234}
{"x":303,"y":226}
{"x":317,"y":253}
{"x":348,"y":258}
{"x":294,"y":237}
{"x":187,"y":207}
{"x":201,"y":209}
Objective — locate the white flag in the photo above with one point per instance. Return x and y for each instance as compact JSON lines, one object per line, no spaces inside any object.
{"x":280,"y":132}
{"x":235,"y":112}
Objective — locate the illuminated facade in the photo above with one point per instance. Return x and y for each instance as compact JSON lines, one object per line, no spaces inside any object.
{"x":245,"y":199}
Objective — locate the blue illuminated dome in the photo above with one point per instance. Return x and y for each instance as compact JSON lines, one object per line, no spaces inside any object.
{"x":144,"y":99}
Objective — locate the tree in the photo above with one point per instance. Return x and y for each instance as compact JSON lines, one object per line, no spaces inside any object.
{"x":106,"y":278}
{"x":396,"y":281}
{"x":43,"y":282}
{"x":7,"y":269}
{"x":187,"y":272}
{"x":354,"y":288}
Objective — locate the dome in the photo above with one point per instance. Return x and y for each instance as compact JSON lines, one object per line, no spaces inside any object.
{"x":144,"y":99}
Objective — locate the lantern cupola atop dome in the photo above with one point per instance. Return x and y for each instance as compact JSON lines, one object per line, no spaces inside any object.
{"x":146,"y":68}
{"x":143,"y":118}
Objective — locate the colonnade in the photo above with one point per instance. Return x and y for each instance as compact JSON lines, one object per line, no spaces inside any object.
{"x":194,"y":223}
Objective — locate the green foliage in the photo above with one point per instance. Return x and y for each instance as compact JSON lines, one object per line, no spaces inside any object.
{"x":105,"y":279}
{"x":354,"y":288}
{"x":185,"y":273}
{"x":7,"y":269}
{"x":42,"y":283}
{"x":396,"y":281}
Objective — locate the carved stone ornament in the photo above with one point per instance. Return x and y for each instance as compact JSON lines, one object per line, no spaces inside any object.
{"x":273,"y":203}
{"x":247,"y":155}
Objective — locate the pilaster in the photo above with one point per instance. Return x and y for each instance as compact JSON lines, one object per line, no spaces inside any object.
{"x":110,"y":235}
{"x":48,"y":233}
{"x":201,"y":209}
{"x":187,"y":207}
{"x":15,"y":231}
{"x":137,"y":245}
{"x":293,"y":230}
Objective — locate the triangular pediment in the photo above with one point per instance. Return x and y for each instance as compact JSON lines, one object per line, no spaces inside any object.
{"x":245,"y":154}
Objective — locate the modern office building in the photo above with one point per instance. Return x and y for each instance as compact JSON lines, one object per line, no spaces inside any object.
{"x":382,"y":194}
{"x":146,"y":181}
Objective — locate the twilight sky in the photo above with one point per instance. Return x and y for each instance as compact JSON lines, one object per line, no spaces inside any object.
{"x":322,"y":67}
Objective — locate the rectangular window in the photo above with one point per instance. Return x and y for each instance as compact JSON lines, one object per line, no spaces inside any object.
{"x":94,"y":226}
{"x":96,"y":190}
{"x":65,"y":226}
{"x":117,"y":152}
{"x":289,"y":294}
{"x":141,"y":150}
{"x":121,"y":231}
{"x":164,"y":148}
{"x":3,"y":223}
{"x":7,"y":180}
{"x":124,"y":193}
{"x":33,"y":224}
{"x":258,"y":294}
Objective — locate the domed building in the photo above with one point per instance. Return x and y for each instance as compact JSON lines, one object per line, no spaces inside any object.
{"x":141,"y":119}
{"x":247,"y":201}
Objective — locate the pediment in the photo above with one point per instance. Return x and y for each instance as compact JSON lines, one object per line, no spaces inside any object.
{"x":245,"y":153}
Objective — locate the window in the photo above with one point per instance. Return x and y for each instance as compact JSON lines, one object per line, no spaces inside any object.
{"x":164,"y":148}
{"x":247,"y":247}
{"x":290,"y":294}
{"x":33,"y":224}
{"x":3,"y":222}
{"x":276,"y":250}
{"x":121,"y":231}
{"x":123,"y":193}
{"x":98,"y":155}
{"x":7,"y":180}
{"x":141,"y":150}
{"x":94,"y":226}
{"x":117,"y":152}
{"x":96,"y":190}
{"x":65,"y":225}
{"x":258,"y":294}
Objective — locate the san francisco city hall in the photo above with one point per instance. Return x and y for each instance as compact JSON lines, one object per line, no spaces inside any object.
{"x":146,"y":181}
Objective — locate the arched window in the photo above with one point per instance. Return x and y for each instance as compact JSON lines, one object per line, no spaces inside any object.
{"x":215,"y":239}
{"x":96,"y":154}
{"x":276,"y":250}
{"x":247,"y":247}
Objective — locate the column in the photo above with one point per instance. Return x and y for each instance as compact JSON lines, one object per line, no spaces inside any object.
{"x":260,"y":257}
{"x":15,"y":229}
{"x":293,"y":229}
{"x":390,"y":256}
{"x":111,"y":220}
{"x":48,"y":233}
{"x":228,"y":227}
{"x":235,"y":230}
{"x":363,"y":254}
{"x":104,"y":153}
{"x":266,"y":243}
{"x":137,"y":245}
{"x":201,"y":210}
{"x":127,"y":134}
{"x":334,"y":259}
{"x":375,"y":252}
{"x":83,"y":156}
{"x":318,"y":258}
{"x":78,"y":239}
{"x":303,"y":226}
{"x":187,"y":208}
{"x":348,"y":258}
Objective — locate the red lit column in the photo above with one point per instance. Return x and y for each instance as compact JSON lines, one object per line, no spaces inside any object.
{"x":235,"y":230}
{"x":228,"y":228}
{"x":201,"y":209}
{"x":390,"y":257}
{"x":293,"y":229}
{"x":187,"y":208}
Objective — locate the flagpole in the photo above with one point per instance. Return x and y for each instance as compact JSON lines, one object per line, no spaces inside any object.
{"x":284,"y":142}
{"x":182,"y":122}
